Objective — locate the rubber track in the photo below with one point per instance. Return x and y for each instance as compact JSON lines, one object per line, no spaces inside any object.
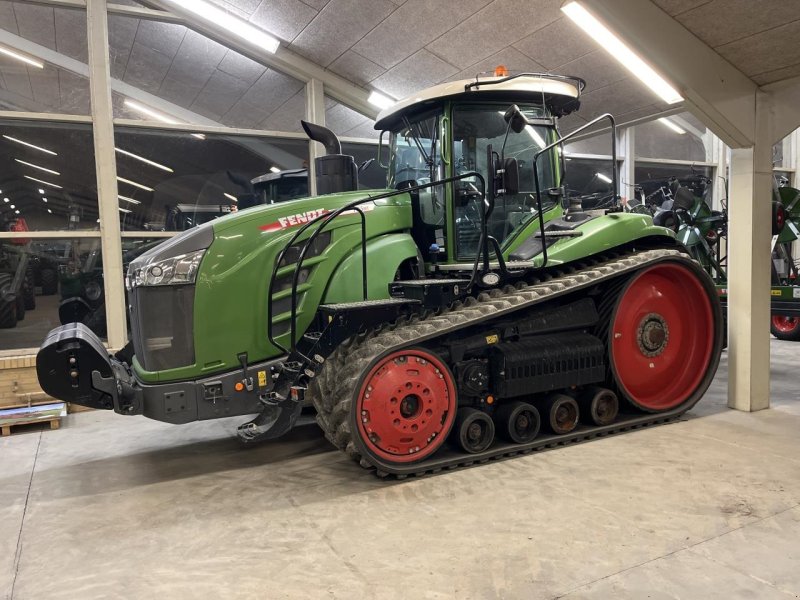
{"x":333,"y":389}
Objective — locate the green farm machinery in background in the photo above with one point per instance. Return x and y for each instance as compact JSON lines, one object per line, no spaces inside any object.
{"x":469,"y":310}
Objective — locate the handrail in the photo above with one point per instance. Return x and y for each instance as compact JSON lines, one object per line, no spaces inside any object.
{"x":581,"y":83}
{"x":321,"y":222}
{"x":559,"y":141}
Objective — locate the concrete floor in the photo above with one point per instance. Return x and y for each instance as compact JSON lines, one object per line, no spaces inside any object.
{"x":111,"y":507}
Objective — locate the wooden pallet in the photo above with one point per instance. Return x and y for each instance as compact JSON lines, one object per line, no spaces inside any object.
{"x":28,"y":415}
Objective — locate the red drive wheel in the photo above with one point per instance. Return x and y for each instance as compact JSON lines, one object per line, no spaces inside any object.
{"x":661,"y":339}
{"x":406,"y":406}
{"x":785,"y":328}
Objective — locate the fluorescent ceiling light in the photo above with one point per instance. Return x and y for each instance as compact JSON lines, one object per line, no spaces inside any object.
{"x":12,"y":206}
{"x":42,"y":181}
{"x":134,"y":184}
{"x":230,"y":197}
{"x":602,"y":177}
{"x":41,"y":191}
{"x":44,"y":199}
{"x":29,"y":145}
{"x":617,"y":48}
{"x":232,"y":23}
{"x":46,"y":170}
{"x":379,"y":100}
{"x":16,"y":211}
{"x":6,"y":200}
{"x":124,"y":210}
{"x":154,"y":114}
{"x":275,"y":169}
{"x":26,"y":59}
{"x":50,"y":211}
{"x":147,"y":111}
{"x":127,"y":199}
{"x":671,"y":125}
{"x":152,"y":163}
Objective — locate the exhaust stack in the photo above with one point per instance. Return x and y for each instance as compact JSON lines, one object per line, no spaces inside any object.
{"x":335,"y":172}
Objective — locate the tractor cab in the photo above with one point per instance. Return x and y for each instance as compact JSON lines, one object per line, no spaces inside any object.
{"x":480,"y":138}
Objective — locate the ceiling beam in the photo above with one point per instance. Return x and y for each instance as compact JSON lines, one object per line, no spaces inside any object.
{"x":283,"y":60}
{"x":714,"y":90}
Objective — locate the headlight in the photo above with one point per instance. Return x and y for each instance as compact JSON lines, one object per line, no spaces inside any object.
{"x":93,"y":290}
{"x":177,"y":270}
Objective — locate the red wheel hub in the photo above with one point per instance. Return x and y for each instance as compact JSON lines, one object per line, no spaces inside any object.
{"x":785,"y":324}
{"x":406,"y":406}
{"x":662,"y":337}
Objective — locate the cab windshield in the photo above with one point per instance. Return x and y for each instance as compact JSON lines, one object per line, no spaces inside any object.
{"x":475,"y":127}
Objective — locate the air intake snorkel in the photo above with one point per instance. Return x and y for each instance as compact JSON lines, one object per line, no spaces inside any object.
{"x":335,"y":172}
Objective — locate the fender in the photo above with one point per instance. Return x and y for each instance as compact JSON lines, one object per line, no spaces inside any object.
{"x":385,"y":255}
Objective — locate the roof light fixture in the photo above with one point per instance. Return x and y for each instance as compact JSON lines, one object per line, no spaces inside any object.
{"x":41,"y":191}
{"x":44,"y":199}
{"x":154,"y":114}
{"x":379,"y":100}
{"x":671,"y":125}
{"x":239,"y":27}
{"x":12,"y":206}
{"x":128,"y":199}
{"x":602,"y":177}
{"x":124,"y":210}
{"x":620,"y":51}
{"x":135,"y":184}
{"x":21,"y":57}
{"x":16,"y":211}
{"x":6,"y":200}
{"x":43,"y":182}
{"x":45,"y":169}
{"x":49,"y":211}
{"x":275,"y":169}
{"x":29,"y":145}
{"x":147,"y":161}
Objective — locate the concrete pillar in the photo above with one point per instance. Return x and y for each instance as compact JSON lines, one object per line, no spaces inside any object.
{"x":748,"y":268}
{"x":106,"y":168}
{"x":315,"y":113}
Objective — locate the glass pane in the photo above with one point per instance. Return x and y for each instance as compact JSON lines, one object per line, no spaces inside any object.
{"x":371,"y":176}
{"x":346,"y":122}
{"x":44,"y":283}
{"x":591,"y":180}
{"x":784,"y":178}
{"x":653,"y":179}
{"x":171,"y":181}
{"x":657,"y":139}
{"x":181,"y":76}
{"x":47,"y":70}
{"x":48,"y":180}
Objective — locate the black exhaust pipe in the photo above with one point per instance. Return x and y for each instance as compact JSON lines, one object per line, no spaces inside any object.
{"x":335,"y":172}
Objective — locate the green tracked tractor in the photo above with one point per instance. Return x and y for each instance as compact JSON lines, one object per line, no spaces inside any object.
{"x":468,"y":311}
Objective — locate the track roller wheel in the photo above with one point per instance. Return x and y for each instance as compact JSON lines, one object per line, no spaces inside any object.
{"x":598,"y":406}
{"x":663,"y":336}
{"x":562,"y":413}
{"x":474,"y":430}
{"x":518,"y":422}
{"x":785,"y":328}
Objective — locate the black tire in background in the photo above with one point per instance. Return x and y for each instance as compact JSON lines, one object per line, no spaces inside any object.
{"x":49,"y":281}
{"x":8,"y":303}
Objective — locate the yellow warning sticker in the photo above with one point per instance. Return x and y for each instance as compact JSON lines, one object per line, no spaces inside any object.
{"x":262,"y":379}
{"x":492,"y":339}
{"x":776,"y":292}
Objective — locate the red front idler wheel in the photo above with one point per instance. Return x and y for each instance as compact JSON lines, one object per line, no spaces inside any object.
{"x":406,"y":406}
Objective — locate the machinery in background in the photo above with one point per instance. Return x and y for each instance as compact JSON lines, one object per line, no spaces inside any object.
{"x":468,"y":311}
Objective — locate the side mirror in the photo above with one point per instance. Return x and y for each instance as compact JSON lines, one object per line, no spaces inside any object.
{"x":365,"y":165}
{"x":508,"y":176}
{"x":515,"y":118}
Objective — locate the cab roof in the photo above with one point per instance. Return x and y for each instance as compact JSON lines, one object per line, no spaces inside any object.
{"x":561,"y":94}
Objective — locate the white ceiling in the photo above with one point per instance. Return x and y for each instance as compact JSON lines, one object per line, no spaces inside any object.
{"x":395,"y":46}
